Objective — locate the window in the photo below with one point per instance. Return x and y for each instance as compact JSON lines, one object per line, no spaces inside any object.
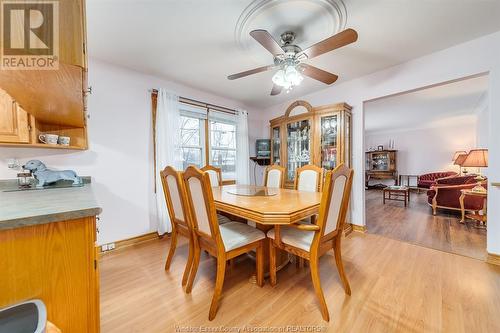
{"x":223,"y":147}
{"x":217,"y":147}
{"x":192,"y":141}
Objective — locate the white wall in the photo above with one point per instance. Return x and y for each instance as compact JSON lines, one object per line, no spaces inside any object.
{"x":424,"y":150}
{"x":120,"y":155}
{"x":471,"y":58}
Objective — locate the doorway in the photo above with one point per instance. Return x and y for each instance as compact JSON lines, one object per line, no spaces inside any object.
{"x":412,"y":141}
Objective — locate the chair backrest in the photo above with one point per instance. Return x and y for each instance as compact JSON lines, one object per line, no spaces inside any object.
{"x":215,"y":175}
{"x":309,"y":178}
{"x":335,"y":200}
{"x":175,"y":196}
{"x":274,"y":176}
{"x":200,"y":203}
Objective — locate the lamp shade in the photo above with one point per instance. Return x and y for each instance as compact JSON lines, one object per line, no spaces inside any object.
{"x":460,"y":159}
{"x":458,"y":153}
{"x":476,"y":158}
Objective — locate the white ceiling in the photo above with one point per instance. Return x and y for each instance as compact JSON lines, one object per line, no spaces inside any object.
{"x":432,"y":107}
{"x":193,"y":41}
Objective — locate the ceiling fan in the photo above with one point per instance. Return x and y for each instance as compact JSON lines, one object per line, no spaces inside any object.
{"x":289,"y":58}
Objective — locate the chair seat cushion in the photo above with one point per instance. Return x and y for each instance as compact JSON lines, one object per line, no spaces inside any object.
{"x":223,"y":219}
{"x":297,"y":238}
{"x":235,"y":235}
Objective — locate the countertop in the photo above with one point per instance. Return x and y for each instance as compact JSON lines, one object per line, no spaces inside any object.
{"x":25,"y":208}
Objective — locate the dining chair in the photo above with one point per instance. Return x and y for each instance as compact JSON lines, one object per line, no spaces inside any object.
{"x":311,"y":241}
{"x":224,"y":241}
{"x":214,"y":173}
{"x":175,"y":196}
{"x":308,"y":178}
{"x":274,"y":176}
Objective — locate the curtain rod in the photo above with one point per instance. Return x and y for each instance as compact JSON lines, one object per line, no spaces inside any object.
{"x":195,"y":102}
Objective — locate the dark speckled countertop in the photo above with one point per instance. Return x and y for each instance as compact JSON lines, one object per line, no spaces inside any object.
{"x":25,"y":208}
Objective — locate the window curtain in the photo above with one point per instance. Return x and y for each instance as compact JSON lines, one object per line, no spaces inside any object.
{"x":242,"y":150}
{"x":167,"y":138}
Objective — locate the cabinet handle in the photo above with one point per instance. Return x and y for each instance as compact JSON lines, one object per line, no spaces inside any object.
{"x":497,"y":184}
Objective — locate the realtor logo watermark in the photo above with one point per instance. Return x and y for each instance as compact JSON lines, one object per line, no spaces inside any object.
{"x":29,"y":35}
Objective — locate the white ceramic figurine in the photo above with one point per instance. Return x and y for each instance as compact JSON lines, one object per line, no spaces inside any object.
{"x":46,"y":176}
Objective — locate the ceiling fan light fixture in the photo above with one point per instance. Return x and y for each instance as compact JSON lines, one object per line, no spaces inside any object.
{"x":287,"y":78}
{"x":279,"y":78}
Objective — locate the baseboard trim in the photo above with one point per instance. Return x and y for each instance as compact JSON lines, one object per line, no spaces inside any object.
{"x":493,"y":259}
{"x":131,"y":241}
{"x":349,"y":227}
{"x":358,"y":228}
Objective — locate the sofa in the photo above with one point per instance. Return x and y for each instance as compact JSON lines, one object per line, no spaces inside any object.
{"x":428,"y":179}
{"x":446,"y":192}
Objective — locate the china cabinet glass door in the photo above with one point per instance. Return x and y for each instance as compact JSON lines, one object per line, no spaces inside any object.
{"x":329,"y":141}
{"x":276,"y":145}
{"x":298,"y":146}
{"x":380,"y":161}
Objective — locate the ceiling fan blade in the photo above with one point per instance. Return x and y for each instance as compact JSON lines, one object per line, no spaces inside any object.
{"x":343,"y":38}
{"x":250,"y":72}
{"x":265,"y":39}
{"x":276,"y":90}
{"x":318,"y":74}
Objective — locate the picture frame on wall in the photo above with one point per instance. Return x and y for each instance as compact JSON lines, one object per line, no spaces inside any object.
{"x":380,"y":147}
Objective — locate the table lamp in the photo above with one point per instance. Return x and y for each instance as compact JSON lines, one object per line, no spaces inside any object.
{"x":477,"y":158}
{"x":458,"y":153}
{"x":459,"y":160}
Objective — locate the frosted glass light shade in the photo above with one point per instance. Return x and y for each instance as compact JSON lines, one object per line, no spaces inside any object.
{"x":279,"y":78}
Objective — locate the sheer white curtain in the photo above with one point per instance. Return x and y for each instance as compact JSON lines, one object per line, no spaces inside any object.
{"x":242,"y":148}
{"x":167,"y":149}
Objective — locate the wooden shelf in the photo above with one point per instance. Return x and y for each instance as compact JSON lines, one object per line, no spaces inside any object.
{"x":41,"y":145}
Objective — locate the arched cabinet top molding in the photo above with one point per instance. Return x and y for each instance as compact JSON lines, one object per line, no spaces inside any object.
{"x":292,"y":106}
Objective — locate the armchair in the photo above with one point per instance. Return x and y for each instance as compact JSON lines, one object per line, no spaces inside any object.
{"x":446,"y":194}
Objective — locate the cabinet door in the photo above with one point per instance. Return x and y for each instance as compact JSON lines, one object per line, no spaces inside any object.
{"x":72,"y":32}
{"x":275,"y":145}
{"x":298,"y":146}
{"x":329,"y":140}
{"x":13,"y":121}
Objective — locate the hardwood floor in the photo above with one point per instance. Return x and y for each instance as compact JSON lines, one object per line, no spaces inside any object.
{"x":396,"y":287}
{"x":417,"y":225}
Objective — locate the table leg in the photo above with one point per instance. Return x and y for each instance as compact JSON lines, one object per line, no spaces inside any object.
{"x":282,"y":257}
{"x":462,"y":207}
{"x":406,"y":198}
{"x":383,"y":192}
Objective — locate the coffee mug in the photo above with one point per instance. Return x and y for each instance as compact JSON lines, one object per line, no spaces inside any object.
{"x":50,"y":139}
{"x":64,"y":140}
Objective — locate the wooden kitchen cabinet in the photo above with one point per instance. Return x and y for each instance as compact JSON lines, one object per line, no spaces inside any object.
{"x":57,"y":263}
{"x":14,"y":125}
{"x":55,"y":100}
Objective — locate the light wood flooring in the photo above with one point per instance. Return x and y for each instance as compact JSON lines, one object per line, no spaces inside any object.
{"x":396,"y":287}
{"x":417,"y":225}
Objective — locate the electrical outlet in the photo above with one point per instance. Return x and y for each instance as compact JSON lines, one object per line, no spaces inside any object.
{"x":13,"y":163}
{"x":104,"y":247}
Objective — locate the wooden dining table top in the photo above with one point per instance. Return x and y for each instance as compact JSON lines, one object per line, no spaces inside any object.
{"x":283,"y":207}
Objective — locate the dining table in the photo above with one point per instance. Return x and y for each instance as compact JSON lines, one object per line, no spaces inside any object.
{"x":267,"y":208}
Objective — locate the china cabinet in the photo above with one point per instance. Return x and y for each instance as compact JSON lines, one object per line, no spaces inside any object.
{"x":311,"y":135}
{"x":381,"y":164}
